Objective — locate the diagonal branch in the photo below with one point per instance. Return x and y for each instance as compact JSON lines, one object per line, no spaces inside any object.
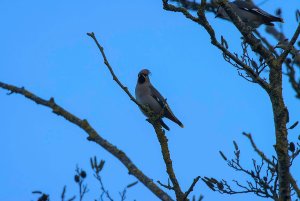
{"x":294,"y":185}
{"x":291,"y":73}
{"x":115,"y":78}
{"x":290,"y":45}
{"x":92,"y":136}
{"x":191,"y":188}
{"x":259,"y":152}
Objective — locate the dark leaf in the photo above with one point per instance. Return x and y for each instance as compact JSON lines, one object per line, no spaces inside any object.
{"x":132,"y":184}
{"x":210,"y":185}
{"x":294,"y":125}
{"x":223,"y":156}
{"x":220,"y":186}
{"x":278,"y":12}
{"x":92,"y":164}
{"x":235,"y":145}
{"x":36,"y":192}
{"x":72,"y":198}
{"x":100,"y":167}
{"x":76,"y":178}
{"x":83,"y":174}
{"x":292,"y":147}
{"x":63,"y":193}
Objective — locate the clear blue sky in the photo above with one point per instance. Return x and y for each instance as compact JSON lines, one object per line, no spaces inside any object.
{"x":44,"y":48}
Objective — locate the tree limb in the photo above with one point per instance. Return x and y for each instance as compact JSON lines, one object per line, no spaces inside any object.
{"x":92,"y":136}
{"x":191,"y":188}
{"x":163,"y":141}
{"x":259,"y":152}
{"x":283,"y":56}
{"x":295,"y":186}
{"x":153,"y":120}
{"x":201,"y":20}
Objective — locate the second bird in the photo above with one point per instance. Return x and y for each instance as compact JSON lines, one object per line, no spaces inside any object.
{"x":250,"y":14}
{"x":146,"y":94}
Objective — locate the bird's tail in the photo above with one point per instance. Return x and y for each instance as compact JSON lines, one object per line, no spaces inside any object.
{"x":163,"y":124}
{"x":277,"y":19}
{"x":172,"y":117}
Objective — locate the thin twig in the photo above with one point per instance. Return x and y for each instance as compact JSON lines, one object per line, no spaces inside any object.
{"x":191,"y":188}
{"x":294,"y":184}
{"x":283,"y":56}
{"x":259,"y":152}
{"x":115,"y":78}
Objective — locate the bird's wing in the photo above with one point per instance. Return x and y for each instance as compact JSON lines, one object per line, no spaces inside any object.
{"x":158,"y":97}
{"x":163,"y":103}
{"x":250,"y":7}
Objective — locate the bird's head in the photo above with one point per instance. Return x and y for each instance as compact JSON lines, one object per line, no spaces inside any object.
{"x":143,"y":76}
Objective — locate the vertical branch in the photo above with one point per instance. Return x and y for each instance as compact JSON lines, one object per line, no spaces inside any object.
{"x":289,"y":46}
{"x":163,"y":141}
{"x":280,"y":114}
{"x":274,"y":88}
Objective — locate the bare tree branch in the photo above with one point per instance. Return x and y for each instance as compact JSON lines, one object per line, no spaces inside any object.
{"x":289,"y":46}
{"x":92,"y":136}
{"x":163,"y":141}
{"x":295,"y":186}
{"x":201,"y":20}
{"x":292,"y":79}
{"x":211,"y":6}
{"x":259,"y":152}
{"x":191,"y":188}
{"x":115,"y":78}
{"x":273,"y":88}
{"x":153,"y":120}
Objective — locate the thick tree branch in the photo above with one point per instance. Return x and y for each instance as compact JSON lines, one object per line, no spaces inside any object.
{"x":273,"y":88}
{"x":92,"y":136}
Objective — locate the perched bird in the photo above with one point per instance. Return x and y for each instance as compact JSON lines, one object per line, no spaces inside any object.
{"x":249,"y":14}
{"x":146,"y":94}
